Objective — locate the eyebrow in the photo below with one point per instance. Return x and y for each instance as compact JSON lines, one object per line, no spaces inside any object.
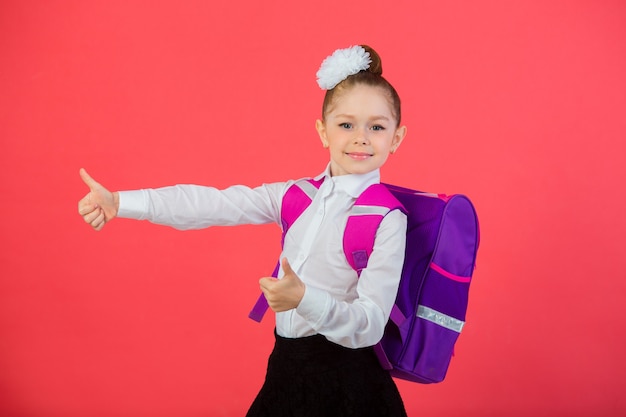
{"x":378,"y":117}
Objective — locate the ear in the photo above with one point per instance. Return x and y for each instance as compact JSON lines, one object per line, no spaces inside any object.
{"x":398,"y":137}
{"x":321,"y":130}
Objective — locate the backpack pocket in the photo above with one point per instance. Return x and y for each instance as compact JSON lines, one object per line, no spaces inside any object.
{"x":436,"y":326}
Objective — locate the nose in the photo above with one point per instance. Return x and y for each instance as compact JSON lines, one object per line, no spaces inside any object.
{"x":361,"y":137}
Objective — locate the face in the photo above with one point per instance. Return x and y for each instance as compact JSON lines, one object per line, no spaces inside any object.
{"x":360,"y":130}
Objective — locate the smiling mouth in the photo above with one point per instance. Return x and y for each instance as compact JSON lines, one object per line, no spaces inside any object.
{"x":359,"y":155}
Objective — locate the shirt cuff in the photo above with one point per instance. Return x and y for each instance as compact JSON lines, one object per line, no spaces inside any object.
{"x":314,"y":306}
{"x":133,"y":204}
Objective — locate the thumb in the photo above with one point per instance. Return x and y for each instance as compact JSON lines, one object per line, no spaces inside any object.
{"x":91,"y":183}
{"x":286,"y":267}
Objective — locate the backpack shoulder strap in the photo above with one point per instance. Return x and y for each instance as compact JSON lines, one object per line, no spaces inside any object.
{"x":296,"y":200}
{"x":358,"y":239}
{"x":366,"y":215}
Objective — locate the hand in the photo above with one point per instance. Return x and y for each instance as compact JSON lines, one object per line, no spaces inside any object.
{"x":99,"y":206}
{"x":285,"y":293}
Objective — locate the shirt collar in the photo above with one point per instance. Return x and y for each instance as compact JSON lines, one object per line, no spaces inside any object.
{"x":353,"y":184}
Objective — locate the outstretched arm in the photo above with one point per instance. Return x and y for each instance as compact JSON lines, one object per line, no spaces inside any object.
{"x":99,"y":206}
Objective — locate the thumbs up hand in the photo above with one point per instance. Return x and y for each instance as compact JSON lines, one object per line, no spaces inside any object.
{"x":99,"y":206}
{"x":285,"y":293}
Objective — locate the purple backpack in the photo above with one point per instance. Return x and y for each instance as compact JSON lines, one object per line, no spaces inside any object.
{"x":441,"y":244}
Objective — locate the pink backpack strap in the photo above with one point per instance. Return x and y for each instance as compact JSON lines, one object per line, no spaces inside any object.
{"x":368,"y":211}
{"x":358,"y":240}
{"x":296,"y":200}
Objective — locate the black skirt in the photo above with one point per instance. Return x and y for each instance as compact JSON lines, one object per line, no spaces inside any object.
{"x":313,"y":377}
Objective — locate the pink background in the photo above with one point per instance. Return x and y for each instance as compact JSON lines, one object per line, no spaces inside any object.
{"x":519,"y":104}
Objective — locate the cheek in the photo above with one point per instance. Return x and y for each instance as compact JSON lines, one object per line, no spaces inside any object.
{"x":336,"y":150}
{"x":383,"y":157}
{"x":383,"y":144}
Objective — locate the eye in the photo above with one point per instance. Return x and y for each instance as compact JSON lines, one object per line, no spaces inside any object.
{"x":345,"y":125}
{"x":378,"y":127}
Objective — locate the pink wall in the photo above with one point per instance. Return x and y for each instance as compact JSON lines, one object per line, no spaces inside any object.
{"x":520,"y":105}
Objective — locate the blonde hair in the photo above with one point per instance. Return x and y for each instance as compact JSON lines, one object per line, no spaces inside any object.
{"x":373,"y":77}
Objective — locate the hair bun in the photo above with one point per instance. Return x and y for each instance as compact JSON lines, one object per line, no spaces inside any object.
{"x":376,"y":66}
{"x":356,"y":65}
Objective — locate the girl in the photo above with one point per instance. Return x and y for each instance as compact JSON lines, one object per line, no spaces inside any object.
{"x":327,"y":320}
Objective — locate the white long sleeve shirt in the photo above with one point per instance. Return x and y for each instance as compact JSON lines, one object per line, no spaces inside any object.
{"x":347,"y":310}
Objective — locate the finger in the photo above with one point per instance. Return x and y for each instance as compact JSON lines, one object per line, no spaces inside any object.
{"x":286,"y":267}
{"x":100,"y":226}
{"x":91,"y":183}
{"x":92,"y":216}
{"x":99,"y":222}
{"x":266,"y":283}
{"x":85,"y":206}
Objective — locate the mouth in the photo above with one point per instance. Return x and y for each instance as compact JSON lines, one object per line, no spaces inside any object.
{"x":359,"y":155}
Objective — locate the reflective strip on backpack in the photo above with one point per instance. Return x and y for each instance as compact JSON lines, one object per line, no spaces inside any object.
{"x":309,"y":189}
{"x":364,"y":210}
{"x":439,"y":318}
